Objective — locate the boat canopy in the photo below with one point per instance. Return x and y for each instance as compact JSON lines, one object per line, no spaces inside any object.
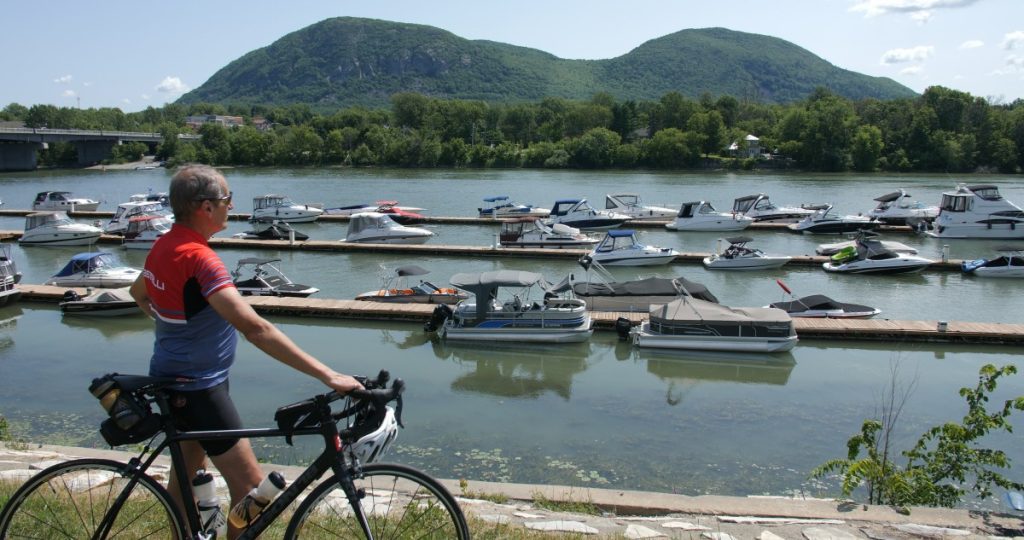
{"x":818,"y":302}
{"x":411,"y":270}
{"x":496,"y":198}
{"x":621,"y":233}
{"x":86,"y":262}
{"x":38,"y":219}
{"x":652,"y":286}
{"x":257,"y":261}
{"x":894,"y":196}
{"x":367,"y":220}
{"x":485,"y":285}
{"x":694,"y":310}
{"x":739,"y":239}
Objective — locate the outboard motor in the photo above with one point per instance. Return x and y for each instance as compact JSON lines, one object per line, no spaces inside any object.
{"x":437,"y":318}
{"x":70,"y":296}
{"x":622,"y":328}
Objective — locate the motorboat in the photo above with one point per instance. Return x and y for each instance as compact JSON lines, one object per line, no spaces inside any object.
{"x":377,"y":228}
{"x":271,"y":229}
{"x":259,"y":277}
{"x":554,"y":318}
{"x":760,"y":208}
{"x":631,"y":205}
{"x":869,"y":256}
{"x":143,"y":231}
{"x":57,"y":229}
{"x":366,"y":207}
{"x":99,"y":303}
{"x":282,"y":208}
{"x":1009,"y":263}
{"x":702,"y":216}
{"x":693,"y":324}
{"x":9,"y":277}
{"x":619,"y":247}
{"x":740,"y":257}
{"x":579,"y":214}
{"x":151,"y":196}
{"x":398,"y":214}
{"x":601,"y":292}
{"x":501,"y":206}
{"x":824,"y":222}
{"x":832,"y":249}
{"x":63,"y":201}
{"x":118,"y":224}
{"x":819,"y":306}
{"x":395,"y":290}
{"x":897,"y":208}
{"x":977,"y":211}
{"x":94,"y":269}
{"x":533,"y":233}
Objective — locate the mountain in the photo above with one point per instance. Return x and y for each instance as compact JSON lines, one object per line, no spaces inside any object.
{"x":349,"y":61}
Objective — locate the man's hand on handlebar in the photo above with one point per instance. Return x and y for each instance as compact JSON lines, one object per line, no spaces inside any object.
{"x":343,"y":384}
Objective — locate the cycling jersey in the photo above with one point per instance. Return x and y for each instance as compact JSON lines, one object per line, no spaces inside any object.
{"x":192,"y":340}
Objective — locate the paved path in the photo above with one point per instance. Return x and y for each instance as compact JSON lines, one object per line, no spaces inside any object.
{"x":634,"y":514}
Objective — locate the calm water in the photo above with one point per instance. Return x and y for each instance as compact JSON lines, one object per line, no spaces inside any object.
{"x":597,"y":413}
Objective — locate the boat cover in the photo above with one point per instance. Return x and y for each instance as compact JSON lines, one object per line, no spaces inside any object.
{"x":890,"y":197}
{"x":653,"y":286}
{"x":695,"y":310}
{"x":86,"y":262}
{"x":817,"y":302}
{"x":111,"y":295}
{"x":411,"y":270}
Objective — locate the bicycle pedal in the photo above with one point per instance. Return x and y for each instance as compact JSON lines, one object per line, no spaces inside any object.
{"x":361,"y":493}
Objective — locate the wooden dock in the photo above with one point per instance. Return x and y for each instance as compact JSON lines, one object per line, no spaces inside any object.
{"x":891,"y":331}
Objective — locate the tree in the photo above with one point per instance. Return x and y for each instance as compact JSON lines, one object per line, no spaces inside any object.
{"x":867,"y":148}
{"x":595,"y":148}
{"x":672,"y":148}
{"x":250,"y":147}
{"x":215,"y":141}
{"x":711,"y":130}
{"x":410,"y":109}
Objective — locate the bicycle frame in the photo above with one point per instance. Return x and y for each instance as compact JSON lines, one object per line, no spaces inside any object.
{"x":332,"y":458}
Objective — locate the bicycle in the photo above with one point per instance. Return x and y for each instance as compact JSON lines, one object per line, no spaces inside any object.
{"x":100,"y":498}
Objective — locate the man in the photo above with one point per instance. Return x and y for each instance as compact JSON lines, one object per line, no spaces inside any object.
{"x":187,"y":289}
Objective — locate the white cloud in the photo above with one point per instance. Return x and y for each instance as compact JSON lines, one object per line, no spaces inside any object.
{"x":912,"y":70}
{"x":172,"y":85}
{"x":958,"y":77}
{"x":913,"y":54}
{"x":126,"y":101}
{"x":921,"y":17}
{"x":915,"y":8}
{"x":145,"y":97}
{"x":87,"y":84}
{"x":972,"y":44}
{"x":68,"y":93}
{"x":1014,"y":64}
{"x":64,"y":79}
{"x":1013,"y":39}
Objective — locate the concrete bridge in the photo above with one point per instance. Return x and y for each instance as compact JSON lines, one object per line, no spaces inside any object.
{"x":18,"y":146}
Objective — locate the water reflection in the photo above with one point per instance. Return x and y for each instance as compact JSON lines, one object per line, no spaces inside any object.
{"x":685,"y":371}
{"x":8,"y":323}
{"x":516,"y":371}
{"x":109,"y":327}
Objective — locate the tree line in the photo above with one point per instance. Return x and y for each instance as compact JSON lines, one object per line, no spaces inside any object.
{"x":941,"y":130}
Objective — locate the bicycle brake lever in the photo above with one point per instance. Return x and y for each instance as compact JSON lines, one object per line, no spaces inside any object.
{"x":398,"y":411}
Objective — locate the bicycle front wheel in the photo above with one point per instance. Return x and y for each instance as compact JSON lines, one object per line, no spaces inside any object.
{"x":400,"y":502}
{"x":71,"y":499}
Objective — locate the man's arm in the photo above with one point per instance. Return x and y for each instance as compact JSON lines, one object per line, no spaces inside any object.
{"x":138,"y":292}
{"x":271,"y":340}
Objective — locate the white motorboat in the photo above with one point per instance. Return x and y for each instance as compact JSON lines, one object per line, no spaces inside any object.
{"x":897,"y":208}
{"x":272,"y":229}
{"x":1009,"y":264}
{"x":601,"y":292}
{"x":502,"y":207}
{"x":702,"y":216}
{"x":281,"y":208}
{"x":353,"y":209}
{"x":740,"y":257}
{"x":579,"y":214}
{"x":259,"y":277}
{"x":824,"y":222}
{"x":977,"y":211}
{"x":693,"y":324}
{"x":125,"y":212}
{"x":63,"y":201}
{"x":377,"y":228}
{"x":551,"y":319}
{"x":533,"y":233}
{"x":760,"y":208}
{"x":143,"y":231}
{"x":395,"y":290}
{"x":620,"y":247}
{"x":819,"y":306}
{"x":631,"y":205}
{"x":100,"y":303}
{"x":9,"y":277}
{"x":57,"y":229}
{"x":151,"y":196}
{"x":869,"y":256}
{"x":94,"y":269}
{"x":832,"y":249}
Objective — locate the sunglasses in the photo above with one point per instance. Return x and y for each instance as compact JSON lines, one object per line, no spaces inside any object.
{"x":226,"y":199}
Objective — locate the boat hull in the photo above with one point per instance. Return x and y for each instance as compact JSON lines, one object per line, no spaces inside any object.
{"x":996,"y":231}
{"x":386,"y":297}
{"x":550,"y":244}
{"x":643,"y":337}
{"x":744,"y":263}
{"x":838,"y":227}
{"x":418,"y":239}
{"x":723,"y":224}
{"x":575,"y":334}
{"x":878,"y":270}
{"x":289,"y":216}
{"x":634,"y":260}
{"x":100,"y":309}
{"x":59,"y":239}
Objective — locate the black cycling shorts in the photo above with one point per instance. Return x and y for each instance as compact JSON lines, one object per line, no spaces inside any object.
{"x":207,"y":409}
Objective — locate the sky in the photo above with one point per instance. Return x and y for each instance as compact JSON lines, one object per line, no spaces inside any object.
{"x":140,"y":53}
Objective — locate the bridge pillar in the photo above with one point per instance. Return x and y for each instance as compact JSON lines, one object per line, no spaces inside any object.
{"x":19,"y":156}
{"x":93,"y":152}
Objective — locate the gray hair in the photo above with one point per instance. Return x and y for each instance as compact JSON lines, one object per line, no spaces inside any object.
{"x":190,"y":186}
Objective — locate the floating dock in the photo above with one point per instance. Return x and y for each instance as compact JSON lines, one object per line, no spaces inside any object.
{"x":831,"y":329}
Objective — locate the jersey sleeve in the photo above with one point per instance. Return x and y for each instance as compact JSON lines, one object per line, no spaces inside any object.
{"x":211,"y":273}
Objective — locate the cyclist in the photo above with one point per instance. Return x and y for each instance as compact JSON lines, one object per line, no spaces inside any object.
{"x":198,"y":312}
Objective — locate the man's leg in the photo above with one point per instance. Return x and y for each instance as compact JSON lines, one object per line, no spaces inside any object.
{"x":241,"y":471}
{"x":195,"y":459}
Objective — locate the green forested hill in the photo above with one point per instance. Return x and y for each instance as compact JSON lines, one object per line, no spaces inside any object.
{"x":348,"y":61}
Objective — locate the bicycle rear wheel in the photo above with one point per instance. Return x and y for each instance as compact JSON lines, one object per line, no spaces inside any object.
{"x":70,"y":500}
{"x":400,"y":503}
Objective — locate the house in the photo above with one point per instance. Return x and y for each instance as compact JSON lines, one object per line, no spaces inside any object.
{"x":195,"y":122}
{"x":751,"y":147}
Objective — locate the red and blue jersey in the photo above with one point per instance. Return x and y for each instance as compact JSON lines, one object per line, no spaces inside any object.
{"x":192,"y":339}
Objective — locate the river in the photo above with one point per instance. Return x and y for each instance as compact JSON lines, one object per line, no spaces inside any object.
{"x":592,"y":414}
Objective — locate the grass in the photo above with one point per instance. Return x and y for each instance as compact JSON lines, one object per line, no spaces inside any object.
{"x":575,"y":507}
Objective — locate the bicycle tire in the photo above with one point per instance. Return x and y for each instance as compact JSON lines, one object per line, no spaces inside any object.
{"x":391,"y":490}
{"x":70,"y":499}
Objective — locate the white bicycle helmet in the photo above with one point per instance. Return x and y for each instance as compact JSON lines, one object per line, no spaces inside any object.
{"x":372,"y":446}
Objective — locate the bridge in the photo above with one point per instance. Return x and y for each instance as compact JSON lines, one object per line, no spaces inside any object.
{"x":18,"y":146}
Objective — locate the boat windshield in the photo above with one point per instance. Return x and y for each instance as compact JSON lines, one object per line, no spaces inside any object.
{"x":955,"y":203}
{"x":707,"y":208}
